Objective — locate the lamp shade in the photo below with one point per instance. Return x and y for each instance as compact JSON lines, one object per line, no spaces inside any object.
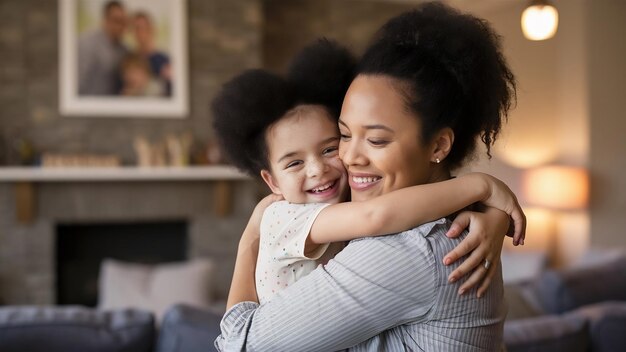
{"x":557,"y":187}
{"x":540,"y":21}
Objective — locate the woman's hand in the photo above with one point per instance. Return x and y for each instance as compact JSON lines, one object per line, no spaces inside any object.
{"x":483,"y":244}
{"x":501,"y":197}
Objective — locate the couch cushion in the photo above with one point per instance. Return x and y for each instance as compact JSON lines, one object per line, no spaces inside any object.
{"x":599,"y":255}
{"x":547,"y":333}
{"x":561,"y":291}
{"x":71,"y":328}
{"x":521,"y":302}
{"x":607,"y":325}
{"x":188,"y":329}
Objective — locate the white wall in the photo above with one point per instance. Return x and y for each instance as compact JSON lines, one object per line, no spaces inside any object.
{"x":607,"y":92}
{"x":550,"y":124}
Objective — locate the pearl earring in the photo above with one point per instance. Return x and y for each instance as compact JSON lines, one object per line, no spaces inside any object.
{"x":437,"y":160}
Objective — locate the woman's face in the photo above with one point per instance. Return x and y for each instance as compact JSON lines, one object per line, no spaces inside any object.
{"x":143,"y":31}
{"x":381,"y":144}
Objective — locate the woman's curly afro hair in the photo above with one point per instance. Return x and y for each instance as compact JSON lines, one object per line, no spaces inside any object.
{"x":455,"y":72}
{"x":251,"y":102}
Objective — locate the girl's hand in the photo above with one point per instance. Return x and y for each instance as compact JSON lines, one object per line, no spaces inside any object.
{"x":501,"y":197}
{"x":483,"y":244}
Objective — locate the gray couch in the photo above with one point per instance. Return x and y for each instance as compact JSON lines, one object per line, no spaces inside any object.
{"x":61,"y":329}
{"x":579,"y":309}
{"x":73,"y":328}
{"x":576,"y":309}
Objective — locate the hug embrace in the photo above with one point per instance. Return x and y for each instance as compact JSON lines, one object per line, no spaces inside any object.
{"x":363,"y":243}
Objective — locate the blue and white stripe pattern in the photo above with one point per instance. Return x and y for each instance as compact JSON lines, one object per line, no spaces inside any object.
{"x":387,"y":293}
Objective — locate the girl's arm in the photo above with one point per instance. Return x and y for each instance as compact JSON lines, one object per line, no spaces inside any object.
{"x":242,"y":287}
{"x":482,"y":245}
{"x":408,"y":207}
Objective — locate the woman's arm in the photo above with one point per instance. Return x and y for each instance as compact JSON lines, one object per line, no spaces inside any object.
{"x":409,"y":207}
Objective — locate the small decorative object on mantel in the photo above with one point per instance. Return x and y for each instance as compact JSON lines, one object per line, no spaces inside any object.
{"x":214,"y":153}
{"x":79,"y":160}
{"x":143,"y":151}
{"x":174,"y":150}
{"x":178,"y":148}
{"x":149,"y":154}
{"x":207,"y":154}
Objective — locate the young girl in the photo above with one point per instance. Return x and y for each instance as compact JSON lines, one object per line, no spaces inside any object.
{"x":285,"y":131}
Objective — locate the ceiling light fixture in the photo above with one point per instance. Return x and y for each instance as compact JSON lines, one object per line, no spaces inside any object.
{"x":540,"y":20}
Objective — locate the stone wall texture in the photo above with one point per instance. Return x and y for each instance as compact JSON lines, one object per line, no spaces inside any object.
{"x":292,"y":24}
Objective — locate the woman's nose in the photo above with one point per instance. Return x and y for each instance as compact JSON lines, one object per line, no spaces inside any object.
{"x":350,"y":154}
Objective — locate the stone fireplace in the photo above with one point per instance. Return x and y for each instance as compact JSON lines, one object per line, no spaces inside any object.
{"x":28,"y":252}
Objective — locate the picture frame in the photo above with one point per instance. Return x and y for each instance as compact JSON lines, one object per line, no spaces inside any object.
{"x":125,"y":58}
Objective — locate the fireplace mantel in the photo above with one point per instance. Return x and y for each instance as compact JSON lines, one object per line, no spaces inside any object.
{"x":24,"y":179}
{"x":113,"y":174}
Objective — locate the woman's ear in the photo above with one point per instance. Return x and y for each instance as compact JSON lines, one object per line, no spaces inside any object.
{"x":266,"y":175}
{"x":442,"y":144}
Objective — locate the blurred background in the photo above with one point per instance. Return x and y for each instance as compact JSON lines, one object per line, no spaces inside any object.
{"x":562,"y":151}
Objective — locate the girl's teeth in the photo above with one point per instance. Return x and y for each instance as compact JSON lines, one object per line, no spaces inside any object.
{"x":322,"y":188}
{"x":365,"y":179}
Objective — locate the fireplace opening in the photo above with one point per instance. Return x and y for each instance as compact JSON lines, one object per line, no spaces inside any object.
{"x":80,"y":249}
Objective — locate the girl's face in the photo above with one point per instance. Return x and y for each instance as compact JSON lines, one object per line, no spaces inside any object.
{"x":381,"y":144}
{"x":303,"y":157}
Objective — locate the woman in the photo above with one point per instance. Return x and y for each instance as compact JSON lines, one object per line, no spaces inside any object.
{"x":431,"y":82}
{"x":145,"y":36}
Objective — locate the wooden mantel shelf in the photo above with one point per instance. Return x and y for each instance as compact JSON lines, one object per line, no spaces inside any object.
{"x":119,"y":174}
{"x":24,"y":179}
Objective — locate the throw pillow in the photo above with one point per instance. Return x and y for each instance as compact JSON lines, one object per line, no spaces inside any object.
{"x":155,"y":287}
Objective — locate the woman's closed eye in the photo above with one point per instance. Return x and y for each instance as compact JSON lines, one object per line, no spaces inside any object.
{"x":378,"y":142}
{"x":344,"y":137}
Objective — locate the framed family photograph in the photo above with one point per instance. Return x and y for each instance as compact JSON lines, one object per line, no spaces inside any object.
{"x":123,"y":58}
